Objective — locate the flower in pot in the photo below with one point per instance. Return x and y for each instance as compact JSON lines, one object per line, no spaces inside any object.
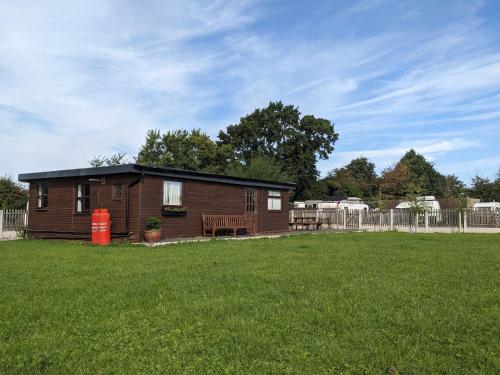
{"x":153,"y":230}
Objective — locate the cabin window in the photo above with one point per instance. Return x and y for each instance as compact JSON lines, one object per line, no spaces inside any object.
{"x":172,"y":193}
{"x":274,"y":200}
{"x":117,"y":191}
{"x":251,"y":200}
{"x":43,"y":195}
{"x":82,"y":198}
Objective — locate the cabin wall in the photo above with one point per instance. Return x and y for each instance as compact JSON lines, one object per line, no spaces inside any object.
{"x":145,"y":200}
{"x":272,"y":221}
{"x":198,"y":197}
{"x":210,"y":198}
{"x":61,"y":215}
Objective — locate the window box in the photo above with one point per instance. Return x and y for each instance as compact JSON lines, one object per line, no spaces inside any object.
{"x":173,"y":211}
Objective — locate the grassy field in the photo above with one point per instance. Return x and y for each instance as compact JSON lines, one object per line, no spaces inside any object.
{"x":355,"y":303}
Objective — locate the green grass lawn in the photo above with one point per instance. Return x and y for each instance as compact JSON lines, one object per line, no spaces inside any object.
{"x":354,"y":303}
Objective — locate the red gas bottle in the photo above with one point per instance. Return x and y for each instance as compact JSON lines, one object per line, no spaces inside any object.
{"x":95,"y":226}
{"x":104,"y":237}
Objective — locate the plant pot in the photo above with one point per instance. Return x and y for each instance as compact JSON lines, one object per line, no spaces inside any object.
{"x":152,"y":235}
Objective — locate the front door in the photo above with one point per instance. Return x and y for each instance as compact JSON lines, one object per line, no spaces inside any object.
{"x":251,"y":208}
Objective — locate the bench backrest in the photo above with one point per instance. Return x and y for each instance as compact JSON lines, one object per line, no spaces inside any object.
{"x":224,"y":221}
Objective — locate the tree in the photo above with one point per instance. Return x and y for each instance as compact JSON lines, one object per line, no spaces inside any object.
{"x":423,"y":174}
{"x":318,"y":190}
{"x":453,"y":187}
{"x":260,"y":168}
{"x":485,"y":189}
{"x":279,"y":132}
{"x":192,"y":150}
{"x":104,"y":161}
{"x":396,"y":181}
{"x":12,"y":194}
{"x":358,"y":178}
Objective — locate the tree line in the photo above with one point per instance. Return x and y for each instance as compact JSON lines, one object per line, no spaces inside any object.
{"x":279,"y":143}
{"x":273,"y":143}
{"x":411,"y":176}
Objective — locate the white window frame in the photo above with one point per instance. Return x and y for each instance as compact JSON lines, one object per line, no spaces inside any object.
{"x":80,"y":199}
{"x":41,"y":195}
{"x":169,"y":195}
{"x":274,"y":201}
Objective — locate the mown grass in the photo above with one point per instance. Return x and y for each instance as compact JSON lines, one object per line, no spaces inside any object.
{"x":335,"y":303}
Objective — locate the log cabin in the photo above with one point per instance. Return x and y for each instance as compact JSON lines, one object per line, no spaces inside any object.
{"x":61,"y":202}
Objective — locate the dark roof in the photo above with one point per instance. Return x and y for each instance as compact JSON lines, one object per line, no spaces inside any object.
{"x":158,"y":171}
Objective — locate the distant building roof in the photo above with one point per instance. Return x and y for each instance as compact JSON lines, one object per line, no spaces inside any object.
{"x":158,"y":171}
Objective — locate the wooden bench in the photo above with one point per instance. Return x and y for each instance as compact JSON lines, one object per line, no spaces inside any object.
{"x":212,"y":223}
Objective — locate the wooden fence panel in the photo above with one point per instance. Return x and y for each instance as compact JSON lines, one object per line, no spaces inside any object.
{"x":400,"y":219}
{"x":14,"y":220}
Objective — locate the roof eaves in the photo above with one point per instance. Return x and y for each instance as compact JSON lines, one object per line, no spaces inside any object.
{"x":80,"y":172}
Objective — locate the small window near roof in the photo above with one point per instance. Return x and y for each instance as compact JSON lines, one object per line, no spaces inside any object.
{"x":274,"y":200}
{"x":172,"y":193}
{"x":42,"y":195}
{"x":82,"y":198}
{"x":117,"y":191}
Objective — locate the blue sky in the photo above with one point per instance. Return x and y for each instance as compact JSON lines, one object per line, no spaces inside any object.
{"x":82,"y":78}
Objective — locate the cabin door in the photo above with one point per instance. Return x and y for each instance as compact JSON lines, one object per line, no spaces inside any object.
{"x":251,"y":209}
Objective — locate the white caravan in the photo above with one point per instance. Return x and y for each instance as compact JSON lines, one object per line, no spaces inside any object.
{"x":428,"y":203}
{"x":312,"y":203}
{"x":327,"y":204}
{"x":351,"y":203}
{"x":487,"y":206}
{"x":298,"y":204}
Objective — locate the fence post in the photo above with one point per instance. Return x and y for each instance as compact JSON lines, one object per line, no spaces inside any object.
{"x":1,"y":223}
{"x":391,"y":218}
{"x":359,"y":219}
{"x":344,"y":219}
{"x":426,"y":219}
{"x":416,"y":222}
{"x":459,"y":221}
{"x":465,"y":221}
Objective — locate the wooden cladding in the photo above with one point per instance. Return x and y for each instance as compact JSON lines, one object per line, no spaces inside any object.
{"x":139,"y":198}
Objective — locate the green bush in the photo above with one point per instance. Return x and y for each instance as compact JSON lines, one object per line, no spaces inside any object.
{"x":12,"y":194}
{"x":153,"y":223}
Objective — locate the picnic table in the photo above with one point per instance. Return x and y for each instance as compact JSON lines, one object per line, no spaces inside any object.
{"x":306,"y":222}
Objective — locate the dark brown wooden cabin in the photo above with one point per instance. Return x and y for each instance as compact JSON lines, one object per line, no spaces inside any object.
{"x":61,"y":202}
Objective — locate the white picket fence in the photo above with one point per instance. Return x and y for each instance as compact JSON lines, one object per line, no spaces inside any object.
{"x":11,"y":222}
{"x":446,"y":220}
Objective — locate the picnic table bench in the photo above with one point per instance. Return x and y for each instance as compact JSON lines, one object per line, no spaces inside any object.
{"x":212,"y":223}
{"x":306,"y":222}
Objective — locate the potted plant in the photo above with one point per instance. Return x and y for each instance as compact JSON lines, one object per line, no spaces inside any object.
{"x":174,"y":211}
{"x":153,"y":230}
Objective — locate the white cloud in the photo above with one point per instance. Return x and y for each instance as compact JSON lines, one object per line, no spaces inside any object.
{"x":81,"y":78}
{"x":384,"y":157}
{"x":84,"y":78}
